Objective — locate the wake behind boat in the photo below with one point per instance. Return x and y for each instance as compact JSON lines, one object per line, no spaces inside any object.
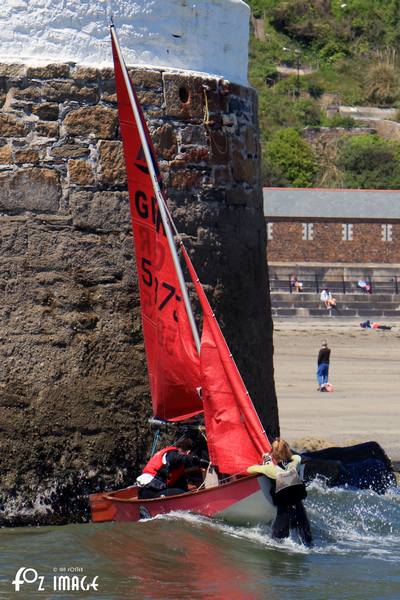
{"x":190,"y":373}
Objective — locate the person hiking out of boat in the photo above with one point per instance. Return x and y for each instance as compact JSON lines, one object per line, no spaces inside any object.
{"x":323,"y":366}
{"x":165,"y":474}
{"x":288,"y":491}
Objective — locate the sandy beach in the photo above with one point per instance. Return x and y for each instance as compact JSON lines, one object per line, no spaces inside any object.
{"x":364,"y":372}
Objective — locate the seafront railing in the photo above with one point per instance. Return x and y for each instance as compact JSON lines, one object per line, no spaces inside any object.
{"x":315,"y":283}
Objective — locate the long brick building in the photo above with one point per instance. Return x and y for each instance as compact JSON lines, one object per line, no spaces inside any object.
{"x":332,"y":226}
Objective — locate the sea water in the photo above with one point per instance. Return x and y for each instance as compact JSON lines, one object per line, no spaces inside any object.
{"x":356,"y":556}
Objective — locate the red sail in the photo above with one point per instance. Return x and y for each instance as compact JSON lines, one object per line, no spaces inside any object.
{"x":235,"y":436}
{"x":172,"y":358}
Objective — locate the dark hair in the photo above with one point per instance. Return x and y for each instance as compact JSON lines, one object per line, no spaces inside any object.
{"x":184,"y":443}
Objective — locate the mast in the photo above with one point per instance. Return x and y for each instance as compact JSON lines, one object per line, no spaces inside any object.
{"x":158,"y":194}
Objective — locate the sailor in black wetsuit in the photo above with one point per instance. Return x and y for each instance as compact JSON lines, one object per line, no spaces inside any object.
{"x":287,"y":492}
{"x":165,"y":473}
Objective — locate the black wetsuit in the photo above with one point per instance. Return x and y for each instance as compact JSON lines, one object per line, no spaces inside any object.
{"x":291,"y":514}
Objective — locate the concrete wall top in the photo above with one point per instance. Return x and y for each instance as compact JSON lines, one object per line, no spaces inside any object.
{"x":209,"y":36}
{"x":331,"y":204}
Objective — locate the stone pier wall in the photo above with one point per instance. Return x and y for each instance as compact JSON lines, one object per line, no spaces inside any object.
{"x":74,"y":397}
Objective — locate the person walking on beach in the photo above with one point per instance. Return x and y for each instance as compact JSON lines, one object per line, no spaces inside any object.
{"x":323,"y":366}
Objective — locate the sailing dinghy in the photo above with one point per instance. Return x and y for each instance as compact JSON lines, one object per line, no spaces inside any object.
{"x":180,"y":361}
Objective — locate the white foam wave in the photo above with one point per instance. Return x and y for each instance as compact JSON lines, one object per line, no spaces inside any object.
{"x":343,"y":522}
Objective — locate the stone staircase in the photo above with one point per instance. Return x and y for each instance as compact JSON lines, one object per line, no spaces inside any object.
{"x":382,"y":303}
{"x":357,"y":305}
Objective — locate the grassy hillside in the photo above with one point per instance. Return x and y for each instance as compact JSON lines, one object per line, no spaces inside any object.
{"x":349,"y":51}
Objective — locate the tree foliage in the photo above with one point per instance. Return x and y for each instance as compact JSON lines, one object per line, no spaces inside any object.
{"x":343,"y":38}
{"x":288,"y":160}
{"x":349,"y":51}
{"x":370,"y":162}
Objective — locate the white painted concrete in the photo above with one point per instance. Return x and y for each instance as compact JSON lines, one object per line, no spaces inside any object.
{"x":210,"y":36}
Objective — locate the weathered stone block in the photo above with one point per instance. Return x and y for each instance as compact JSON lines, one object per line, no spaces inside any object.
{"x":80,"y":172}
{"x":251,"y":145}
{"x":12,"y":70}
{"x":48,"y":111}
{"x":193,"y":135}
{"x":31,"y":93}
{"x":149,"y":98}
{"x":13,"y":240}
{"x":145,"y":78}
{"x":184,"y":96}
{"x":244,"y":169}
{"x":191,"y":154}
{"x":91,"y":121}
{"x":112,"y":163}
{"x":30,"y":189}
{"x":5,"y":155}
{"x":85,"y":74}
{"x":50,"y":130}
{"x":220,"y":147}
{"x":60,"y":91}
{"x":221,"y":175}
{"x":215,"y":97}
{"x":107,"y":73}
{"x":59,"y":70}
{"x":185,"y":179}
{"x":100,"y":211}
{"x":245,"y":93}
{"x":70,"y":151}
{"x":165,"y":142}
{"x":27,"y":156}
{"x":237,"y":106}
{"x":110,"y":98}
{"x":10,"y":126}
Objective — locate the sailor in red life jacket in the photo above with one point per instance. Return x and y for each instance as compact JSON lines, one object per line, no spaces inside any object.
{"x":165,"y":473}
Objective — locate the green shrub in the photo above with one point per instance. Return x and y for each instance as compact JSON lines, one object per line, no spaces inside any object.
{"x":382,"y":83}
{"x":370,"y":162}
{"x":339,"y":120}
{"x":316,"y":91}
{"x":333,"y":51}
{"x":288,"y":160}
{"x":307,"y":112}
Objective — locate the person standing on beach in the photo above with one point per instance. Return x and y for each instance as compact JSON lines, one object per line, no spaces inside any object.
{"x":323,"y":366}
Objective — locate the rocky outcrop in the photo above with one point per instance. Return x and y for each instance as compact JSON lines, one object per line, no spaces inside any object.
{"x":74,"y":394}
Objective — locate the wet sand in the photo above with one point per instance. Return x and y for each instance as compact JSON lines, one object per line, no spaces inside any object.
{"x":364,"y":371}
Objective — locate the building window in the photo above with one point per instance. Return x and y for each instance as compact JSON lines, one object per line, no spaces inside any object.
{"x":347,"y":232}
{"x":387,"y":233}
{"x":308,"y":231}
{"x":270,"y":231}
